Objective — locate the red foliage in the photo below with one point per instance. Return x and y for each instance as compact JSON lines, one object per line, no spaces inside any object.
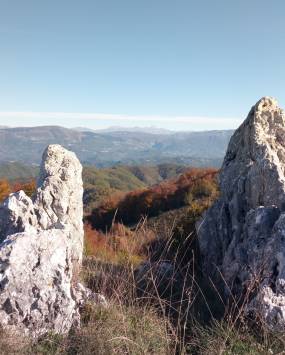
{"x":171,"y":194}
{"x":6,"y":188}
{"x":29,"y":187}
{"x":95,"y":241}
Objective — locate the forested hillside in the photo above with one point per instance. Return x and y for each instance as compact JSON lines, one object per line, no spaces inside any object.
{"x":100,"y":182}
{"x":129,"y":208}
{"x":18,"y":171}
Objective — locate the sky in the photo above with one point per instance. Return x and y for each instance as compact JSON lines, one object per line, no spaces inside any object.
{"x":176,"y":64}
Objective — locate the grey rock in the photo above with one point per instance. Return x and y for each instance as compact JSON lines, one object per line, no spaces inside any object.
{"x":242,"y":236}
{"x":17,"y":214}
{"x":41,"y":250}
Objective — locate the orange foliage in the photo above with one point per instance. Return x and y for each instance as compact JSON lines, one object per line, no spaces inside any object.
{"x":95,"y":242}
{"x":4,"y":189}
{"x":131,"y":207}
{"x":29,"y":187}
{"x":120,"y":245}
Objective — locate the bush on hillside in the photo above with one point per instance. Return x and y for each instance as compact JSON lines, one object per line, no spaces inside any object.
{"x":5,"y":189}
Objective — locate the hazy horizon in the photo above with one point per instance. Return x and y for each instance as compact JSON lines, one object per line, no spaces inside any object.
{"x":103,"y":121}
{"x":118,"y":128}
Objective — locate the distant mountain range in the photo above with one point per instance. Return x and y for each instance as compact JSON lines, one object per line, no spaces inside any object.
{"x":107,"y":148}
{"x":152,"y":130}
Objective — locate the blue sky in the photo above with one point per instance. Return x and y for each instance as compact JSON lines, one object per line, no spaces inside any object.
{"x":179,"y":64}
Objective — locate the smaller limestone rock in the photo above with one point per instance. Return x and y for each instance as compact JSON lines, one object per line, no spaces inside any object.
{"x":41,"y":250}
{"x":84,"y":294}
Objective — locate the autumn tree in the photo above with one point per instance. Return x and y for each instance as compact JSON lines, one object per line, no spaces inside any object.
{"x":28,"y":187}
{"x":4,"y":189}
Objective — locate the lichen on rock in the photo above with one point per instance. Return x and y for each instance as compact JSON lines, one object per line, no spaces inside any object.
{"x":242,"y":236}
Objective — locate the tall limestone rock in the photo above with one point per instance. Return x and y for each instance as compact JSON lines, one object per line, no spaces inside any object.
{"x":41,"y":250}
{"x":242,"y":237}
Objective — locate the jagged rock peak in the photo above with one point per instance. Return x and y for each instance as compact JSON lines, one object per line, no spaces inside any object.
{"x":41,"y":250}
{"x":59,"y":195}
{"x":242,"y":234}
{"x":255,"y":159}
{"x":266,"y":103}
{"x":61,"y":178}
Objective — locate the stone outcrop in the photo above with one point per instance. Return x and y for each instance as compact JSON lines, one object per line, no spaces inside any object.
{"x":41,"y":250}
{"x":242,"y":237}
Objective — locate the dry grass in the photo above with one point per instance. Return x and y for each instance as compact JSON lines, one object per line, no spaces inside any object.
{"x":152,"y":322}
{"x":189,"y":308}
{"x":159,"y":302}
{"x":120,"y":245}
{"x":112,"y":330}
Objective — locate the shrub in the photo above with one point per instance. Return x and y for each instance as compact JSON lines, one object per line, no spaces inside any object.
{"x":28,"y":187}
{"x":4,"y":189}
{"x":119,"y":245}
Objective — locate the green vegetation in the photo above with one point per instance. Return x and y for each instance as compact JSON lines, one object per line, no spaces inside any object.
{"x":17,"y":171}
{"x":101,"y":183}
{"x":151,"y":175}
{"x":117,"y":178}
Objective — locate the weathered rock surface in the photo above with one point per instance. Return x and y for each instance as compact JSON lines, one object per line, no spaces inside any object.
{"x":41,"y":250}
{"x":242,"y":237}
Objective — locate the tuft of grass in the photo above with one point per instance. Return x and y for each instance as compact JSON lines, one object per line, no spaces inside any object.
{"x":122,"y":330}
{"x":222,"y":337}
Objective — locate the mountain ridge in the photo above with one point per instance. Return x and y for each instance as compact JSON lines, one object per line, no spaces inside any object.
{"x":204,"y":148}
